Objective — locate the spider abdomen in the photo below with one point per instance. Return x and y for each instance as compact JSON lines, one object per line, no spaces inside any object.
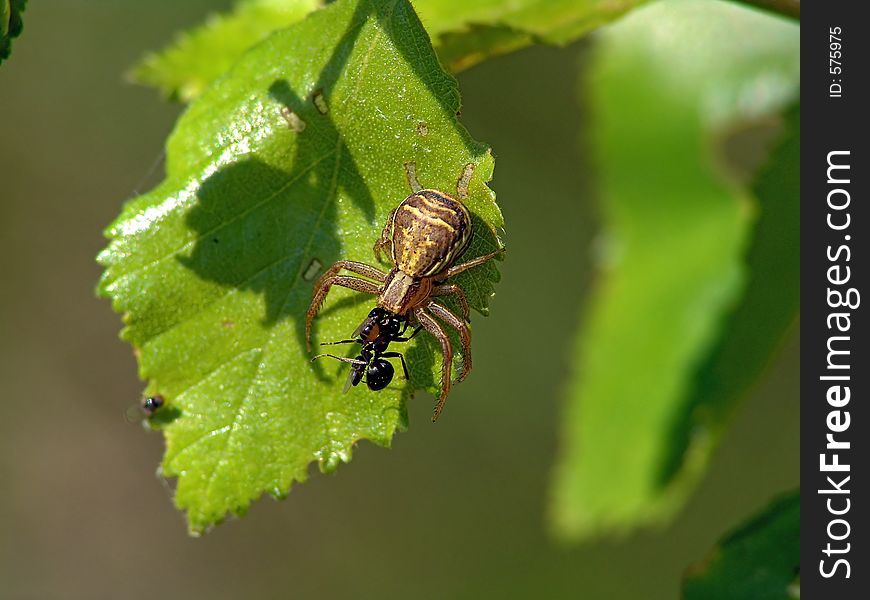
{"x":430,"y":231}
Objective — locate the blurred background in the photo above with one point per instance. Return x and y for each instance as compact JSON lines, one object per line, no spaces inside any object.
{"x":452,"y":511}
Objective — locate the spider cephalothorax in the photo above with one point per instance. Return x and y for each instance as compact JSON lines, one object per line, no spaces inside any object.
{"x":424,"y":236}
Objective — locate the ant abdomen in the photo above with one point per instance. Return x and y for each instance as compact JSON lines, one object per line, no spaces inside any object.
{"x":379,"y":374}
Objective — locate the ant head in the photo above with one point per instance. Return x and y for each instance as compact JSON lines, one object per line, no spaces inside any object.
{"x":379,"y":374}
{"x":353,"y":378}
{"x":357,"y":369}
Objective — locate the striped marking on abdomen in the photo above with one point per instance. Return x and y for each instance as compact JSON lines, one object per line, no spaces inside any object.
{"x":430,"y":230}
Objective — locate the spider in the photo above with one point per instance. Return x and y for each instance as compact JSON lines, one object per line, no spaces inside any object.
{"x":424,"y":236}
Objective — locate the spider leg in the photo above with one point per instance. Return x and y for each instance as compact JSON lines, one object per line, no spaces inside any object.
{"x":400,"y":357}
{"x":355,"y":267}
{"x":322,"y":289}
{"x":432,"y":326}
{"x":385,"y":242}
{"x":464,"y":335}
{"x":453,"y":289}
{"x":475,"y":262}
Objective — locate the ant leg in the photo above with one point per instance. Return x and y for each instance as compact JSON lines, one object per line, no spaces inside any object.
{"x":455,"y":290}
{"x":432,"y":326}
{"x":356,"y":362}
{"x":400,"y":357}
{"x":339,"y":342}
{"x":410,"y":337}
{"x":322,"y":289}
{"x":473,"y":263}
{"x":353,"y":361}
{"x":464,"y":335}
{"x":385,"y":242}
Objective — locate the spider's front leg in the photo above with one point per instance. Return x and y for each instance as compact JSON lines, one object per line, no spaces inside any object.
{"x":354,"y":267}
{"x":322,"y":289}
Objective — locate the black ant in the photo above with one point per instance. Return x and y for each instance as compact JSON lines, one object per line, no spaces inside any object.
{"x":374,"y":334}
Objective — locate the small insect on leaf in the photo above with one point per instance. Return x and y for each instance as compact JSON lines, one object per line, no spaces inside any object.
{"x":145,"y":409}
{"x":152,"y":404}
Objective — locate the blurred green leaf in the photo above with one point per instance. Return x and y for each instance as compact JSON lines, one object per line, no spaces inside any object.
{"x":199,"y":56}
{"x":214,"y":268}
{"x":759,"y":561}
{"x":10,"y":25}
{"x":754,"y":330}
{"x":663,"y":83}
{"x":464,"y":33}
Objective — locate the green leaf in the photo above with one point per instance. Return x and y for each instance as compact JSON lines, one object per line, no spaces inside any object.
{"x":10,"y":25}
{"x":664,"y":84}
{"x":759,"y":561}
{"x":214,"y":268}
{"x":464,"y":33}
{"x":197,"y":57}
